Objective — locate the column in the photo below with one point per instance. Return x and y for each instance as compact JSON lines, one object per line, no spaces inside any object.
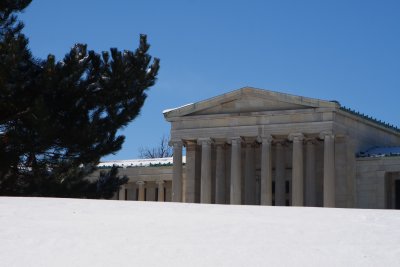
{"x":177,"y":171}
{"x":280,"y":178}
{"x":141,"y":196}
{"x":205,"y":178}
{"x":220,"y":175}
{"x":160,"y":185}
{"x":310,"y":174}
{"x":197,"y":179}
{"x":266,"y":170}
{"x":121,"y":193}
{"x":329,"y":168}
{"x":189,"y":182}
{"x":250,"y":175}
{"x":297,"y":170}
{"x":236,"y":171}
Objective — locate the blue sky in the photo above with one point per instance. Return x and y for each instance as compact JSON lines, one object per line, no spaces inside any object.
{"x":347,"y":51}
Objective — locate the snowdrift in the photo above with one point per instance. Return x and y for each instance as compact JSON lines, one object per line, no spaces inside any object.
{"x":70,"y":232}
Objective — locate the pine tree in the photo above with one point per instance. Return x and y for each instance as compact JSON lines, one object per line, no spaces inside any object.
{"x":58,"y":118}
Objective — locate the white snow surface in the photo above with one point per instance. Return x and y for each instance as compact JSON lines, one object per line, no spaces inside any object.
{"x":171,"y":109}
{"x":138,"y":162}
{"x":382,"y":152}
{"x":71,"y":232}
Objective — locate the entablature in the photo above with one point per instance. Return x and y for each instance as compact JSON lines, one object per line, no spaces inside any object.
{"x":227,"y":132}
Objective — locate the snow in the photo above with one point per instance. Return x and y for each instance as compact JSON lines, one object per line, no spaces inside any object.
{"x":105,"y":78}
{"x":71,"y":232}
{"x":381,"y":152}
{"x":138,"y":162}
{"x":82,"y":60}
{"x":171,"y":109}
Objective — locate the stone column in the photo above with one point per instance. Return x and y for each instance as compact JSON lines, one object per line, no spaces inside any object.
{"x":160,"y":185}
{"x":177,"y":171}
{"x":266,"y":171}
{"x":205,"y":180}
{"x":280,"y":178}
{"x":329,"y":168}
{"x":189,"y":182}
{"x":236,"y":171}
{"x":141,"y":196}
{"x":220,"y":175}
{"x":297,"y":169}
{"x":250,"y":175}
{"x":310,"y":174}
{"x":121,"y":193}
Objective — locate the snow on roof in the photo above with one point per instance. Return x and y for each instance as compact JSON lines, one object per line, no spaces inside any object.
{"x":171,"y":109}
{"x":138,"y":162}
{"x":381,"y":152}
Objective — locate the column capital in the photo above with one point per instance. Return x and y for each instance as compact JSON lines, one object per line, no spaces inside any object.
{"x":325,"y":134}
{"x":282,"y":142}
{"x":235,"y":140}
{"x":296,"y":137}
{"x":220,"y":144}
{"x":249,"y":140}
{"x":175,"y":143}
{"x":310,"y":140}
{"x":190,"y":143}
{"x":264,"y":139}
{"x":160,"y":182}
{"x":206,"y":140}
{"x":140,"y":183}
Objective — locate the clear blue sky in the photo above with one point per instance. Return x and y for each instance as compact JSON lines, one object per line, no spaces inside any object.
{"x":334,"y":50}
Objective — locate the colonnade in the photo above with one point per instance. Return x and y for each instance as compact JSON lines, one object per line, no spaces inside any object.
{"x":266,"y":194}
{"x":141,"y":195}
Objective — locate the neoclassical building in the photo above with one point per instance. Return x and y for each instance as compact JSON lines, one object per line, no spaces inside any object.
{"x":259,"y":147}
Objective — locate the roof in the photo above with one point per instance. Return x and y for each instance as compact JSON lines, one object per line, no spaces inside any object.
{"x":249,"y":99}
{"x":371,"y":119}
{"x":380,"y":152}
{"x":128,"y":163}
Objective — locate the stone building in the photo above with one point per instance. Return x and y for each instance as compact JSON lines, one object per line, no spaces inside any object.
{"x":259,"y":147}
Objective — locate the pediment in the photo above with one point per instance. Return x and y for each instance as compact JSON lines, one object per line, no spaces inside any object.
{"x":246,"y":100}
{"x":248,"y":104}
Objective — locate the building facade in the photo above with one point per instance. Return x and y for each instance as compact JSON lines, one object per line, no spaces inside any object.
{"x":259,"y":147}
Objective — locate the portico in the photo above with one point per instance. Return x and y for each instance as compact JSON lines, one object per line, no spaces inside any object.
{"x":254,"y":146}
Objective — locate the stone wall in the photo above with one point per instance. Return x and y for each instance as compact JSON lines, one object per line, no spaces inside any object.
{"x":371,"y":181}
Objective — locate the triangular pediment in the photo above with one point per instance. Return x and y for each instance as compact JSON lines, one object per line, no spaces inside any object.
{"x":247,"y":100}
